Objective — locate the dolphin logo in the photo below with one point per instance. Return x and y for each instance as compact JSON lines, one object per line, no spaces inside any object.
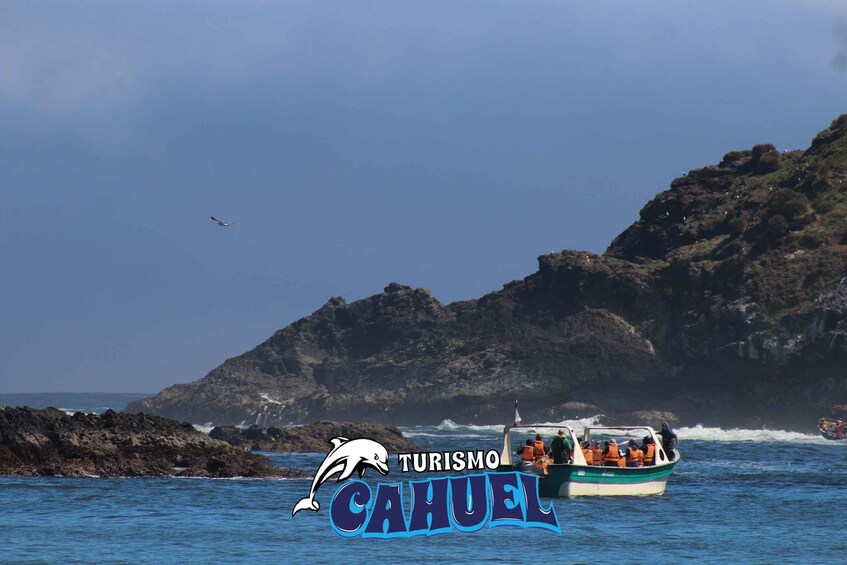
{"x":346,"y":456}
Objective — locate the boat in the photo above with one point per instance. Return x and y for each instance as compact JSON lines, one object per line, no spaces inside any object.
{"x":578,"y":478}
{"x":831,"y":429}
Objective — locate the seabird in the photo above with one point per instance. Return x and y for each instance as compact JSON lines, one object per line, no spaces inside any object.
{"x":220,"y":222}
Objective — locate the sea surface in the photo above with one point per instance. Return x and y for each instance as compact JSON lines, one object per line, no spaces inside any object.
{"x":736,"y":497}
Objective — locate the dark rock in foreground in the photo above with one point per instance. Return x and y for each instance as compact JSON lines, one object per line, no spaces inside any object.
{"x":313,"y":438}
{"x":49,"y":442}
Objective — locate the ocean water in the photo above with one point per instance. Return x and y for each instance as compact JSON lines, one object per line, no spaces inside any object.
{"x":737,"y":496}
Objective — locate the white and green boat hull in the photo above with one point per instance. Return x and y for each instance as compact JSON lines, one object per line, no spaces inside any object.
{"x":589,"y":480}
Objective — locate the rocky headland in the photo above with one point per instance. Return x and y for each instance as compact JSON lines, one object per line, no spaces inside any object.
{"x":724,"y":304}
{"x":49,"y":442}
{"x":312,"y":438}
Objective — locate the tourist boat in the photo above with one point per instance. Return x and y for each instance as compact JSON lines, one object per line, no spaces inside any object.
{"x":578,"y":478}
{"x":830,"y":429}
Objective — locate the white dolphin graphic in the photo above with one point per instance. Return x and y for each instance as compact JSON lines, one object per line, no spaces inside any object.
{"x":346,"y":456}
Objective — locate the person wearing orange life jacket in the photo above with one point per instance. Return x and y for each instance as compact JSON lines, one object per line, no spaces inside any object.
{"x":634,"y":456}
{"x":596,"y":453}
{"x":648,"y":448}
{"x":526,"y":451}
{"x":538,"y":447}
{"x":611,"y":455}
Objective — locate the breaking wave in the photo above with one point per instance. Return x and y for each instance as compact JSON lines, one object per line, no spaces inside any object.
{"x":702,"y":433}
{"x":698,"y":432}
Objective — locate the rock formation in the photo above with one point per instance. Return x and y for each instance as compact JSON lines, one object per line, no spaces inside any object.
{"x":313,"y":438}
{"x":50,"y":442}
{"x":725,"y":303}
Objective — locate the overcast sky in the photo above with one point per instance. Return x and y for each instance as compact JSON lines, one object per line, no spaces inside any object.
{"x":442,"y":145}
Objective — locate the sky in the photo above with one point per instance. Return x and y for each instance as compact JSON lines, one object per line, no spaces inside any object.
{"x":439,"y":144}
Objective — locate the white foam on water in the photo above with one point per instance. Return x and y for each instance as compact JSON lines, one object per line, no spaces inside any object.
{"x":700,"y":432}
{"x":205,"y":428}
{"x":407,"y":433}
{"x":451,"y":426}
{"x":72,"y":411}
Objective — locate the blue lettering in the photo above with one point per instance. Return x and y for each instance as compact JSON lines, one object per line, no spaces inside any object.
{"x":536,"y":516}
{"x":465,"y":503}
{"x":470,"y":502}
{"x":387,"y":519}
{"x":507,"y":500}
{"x":429,"y":508}
{"x":347,"y":511}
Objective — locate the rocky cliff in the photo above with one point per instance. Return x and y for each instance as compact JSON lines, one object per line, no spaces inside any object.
{"x":725,"y":303}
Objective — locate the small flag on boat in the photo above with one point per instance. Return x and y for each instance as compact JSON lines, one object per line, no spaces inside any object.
{"x":517,"y":415}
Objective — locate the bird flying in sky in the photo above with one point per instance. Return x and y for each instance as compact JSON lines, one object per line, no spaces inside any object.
{"x":221,"y":223}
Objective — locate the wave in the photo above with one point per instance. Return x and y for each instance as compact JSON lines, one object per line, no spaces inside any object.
{"x":205,"y":428}
{"x":449,"y":428}
{"x":702,"y":433}
{"x":578,"y":424}
{"x":411,"y":434}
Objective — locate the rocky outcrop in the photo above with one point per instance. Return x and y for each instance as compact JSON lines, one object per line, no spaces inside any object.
{"x":725,"y":303}
{"x":49,"y":442}
{"x":313,"y":438}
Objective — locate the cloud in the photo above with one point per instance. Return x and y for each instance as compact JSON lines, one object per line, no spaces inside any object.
{"x":59,"y":57}
{"x":69,"y":57}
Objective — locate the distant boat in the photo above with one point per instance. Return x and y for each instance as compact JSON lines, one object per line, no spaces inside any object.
{"x":831,"y":429}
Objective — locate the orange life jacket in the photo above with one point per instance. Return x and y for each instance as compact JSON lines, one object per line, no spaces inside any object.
{"x":539,"y":449}
{"x":589,"y":459}
{"x":612,"y":455}
{"x":634,"y":455}
{"x":597,"y":455}
{"x":650,"y":456}
{"x":526,"y":454}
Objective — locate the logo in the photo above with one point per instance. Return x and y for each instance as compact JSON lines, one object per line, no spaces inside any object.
{"x":462,"y":503}
{"x":345,"y":457}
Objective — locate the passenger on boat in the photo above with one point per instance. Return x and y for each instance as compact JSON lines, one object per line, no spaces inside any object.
{"x":596,"y":453}
{"x":560,"y":448}
{"x":611,"y":455}
{"x":669,"y":440}
{"x":587,"y":453}
{"x":839,"y":428}
{"x":526,"y":451}
{"x":824,"y":426}
{"x":634,"y":456}
{"x":539,"y":449}
{"x":648,"y":448}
